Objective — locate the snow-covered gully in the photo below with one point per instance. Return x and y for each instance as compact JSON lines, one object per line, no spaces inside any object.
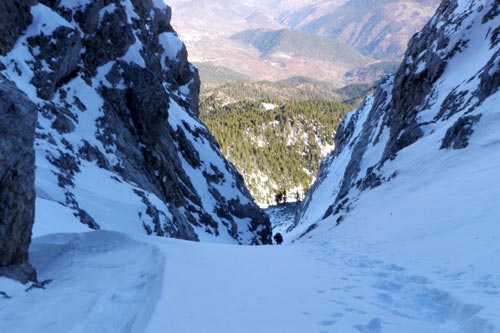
{"x":108,"y":282}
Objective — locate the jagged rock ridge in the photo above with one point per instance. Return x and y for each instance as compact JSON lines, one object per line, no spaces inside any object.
{"x":118,"y":143}
{"x":444,"y":89}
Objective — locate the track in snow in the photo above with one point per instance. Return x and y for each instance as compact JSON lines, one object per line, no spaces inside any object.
{"x":108,"y":282}
{"x":301,"y":288}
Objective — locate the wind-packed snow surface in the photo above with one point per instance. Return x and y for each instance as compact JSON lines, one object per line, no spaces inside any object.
{"x":105,"y":281}
{"x":119,"y":145}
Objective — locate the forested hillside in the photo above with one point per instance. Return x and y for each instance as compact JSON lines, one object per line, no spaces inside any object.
{"x":277,"y":146}
{"x":214,"y":76}
{"x":287,"y":43}
{"x":295,"y":88}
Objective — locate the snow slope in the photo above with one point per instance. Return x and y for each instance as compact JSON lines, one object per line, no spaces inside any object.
{"x":100,"y":282}
{"x":108,"y":282}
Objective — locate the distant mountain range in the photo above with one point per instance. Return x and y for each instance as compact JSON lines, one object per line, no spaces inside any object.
{"x":281,"y":45}
{"x":336,"y":41}
{"x":378,"y":28}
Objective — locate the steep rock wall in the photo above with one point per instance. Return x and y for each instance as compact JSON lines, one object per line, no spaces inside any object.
{"x":441,"y":92}
{"x":17,"y":180}
{"x":118,"y":144}
{"x":17,"y":156}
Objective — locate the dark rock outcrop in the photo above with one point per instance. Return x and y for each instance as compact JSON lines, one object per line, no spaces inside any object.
{"x":457,"y":136}
{"x":17,"y":181}
{"x":116,"y":91}
{"x":60,"y":52}
{"x":15,"y":16}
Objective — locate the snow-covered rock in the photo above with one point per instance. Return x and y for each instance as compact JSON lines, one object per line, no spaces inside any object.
{"x":118,"y":144}
{"x":430,"y":125}
{"x":414,"y":179}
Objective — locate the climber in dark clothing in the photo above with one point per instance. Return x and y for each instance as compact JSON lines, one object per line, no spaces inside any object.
{"x":278,"y":238}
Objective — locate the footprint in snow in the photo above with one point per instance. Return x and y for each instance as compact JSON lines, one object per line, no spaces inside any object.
{"x":349,"y":288}
{"x":385,"y":298}
{"x":374,"y":326}
{"x":486,"y":283}
{"x":387,"y":285}
{"x":396,"y":268}
{"x":338,"y":302}
{"x":417,"y":279}
{"x":326,"y":322}
{"x":382,"y":274}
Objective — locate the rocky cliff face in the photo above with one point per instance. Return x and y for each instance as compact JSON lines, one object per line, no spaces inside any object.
{"x":118,"y":144}
{"x":16,"y":17}
{"x":17,"y":156}
{"x":446,"y":88}
{"x":17,"y":180}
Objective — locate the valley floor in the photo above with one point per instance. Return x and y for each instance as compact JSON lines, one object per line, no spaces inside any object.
{"x":110,"y":282}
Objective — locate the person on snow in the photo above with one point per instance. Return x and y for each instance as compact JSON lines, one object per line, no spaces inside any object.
{"x":278,"y":238}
